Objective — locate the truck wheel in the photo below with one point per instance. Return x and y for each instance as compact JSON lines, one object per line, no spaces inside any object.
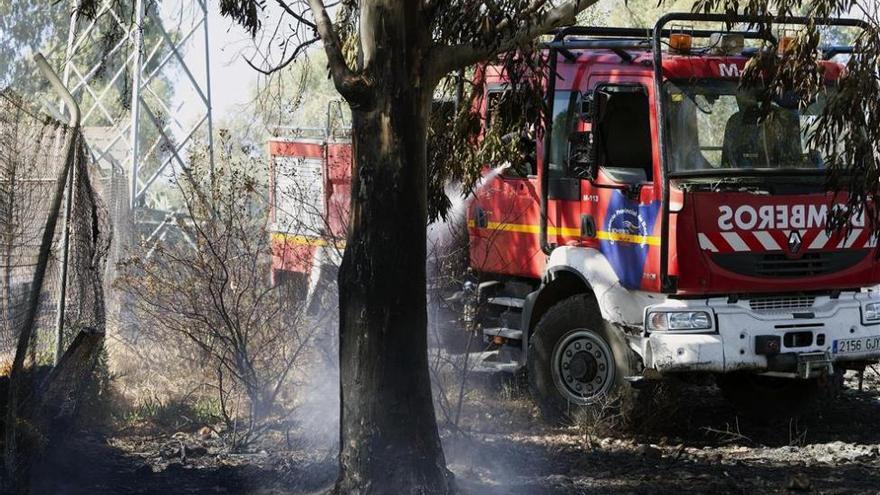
{"x":767,"y":397}
{"x":576,"y":360}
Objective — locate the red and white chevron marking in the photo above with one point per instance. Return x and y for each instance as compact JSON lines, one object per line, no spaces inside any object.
{"x":777,"y":240}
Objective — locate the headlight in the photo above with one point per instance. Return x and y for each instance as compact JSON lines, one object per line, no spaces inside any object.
{"x":871,"y":313}
{"x":684,"y":320}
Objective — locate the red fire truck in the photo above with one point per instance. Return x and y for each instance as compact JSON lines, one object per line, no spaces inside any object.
{"x":310,"y":180}
{"x":666,"y":227}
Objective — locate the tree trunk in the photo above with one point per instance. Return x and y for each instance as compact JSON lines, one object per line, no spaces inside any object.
{"x":389,"y":441}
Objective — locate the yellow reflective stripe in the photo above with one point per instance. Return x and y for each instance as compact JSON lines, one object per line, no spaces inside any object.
{"x":564,"y":231}
{"x":301,"y":240}
{"x":514,"y":227}
{"x":650,"y":240}
{"x":526,"y":228}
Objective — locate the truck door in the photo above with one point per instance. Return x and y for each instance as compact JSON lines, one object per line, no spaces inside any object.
{"x":622,"y":197}
{"x":564,"y":224}
{"x":503,"y":219}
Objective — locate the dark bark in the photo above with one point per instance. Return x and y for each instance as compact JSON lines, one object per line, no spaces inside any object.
{"x":389,"y":440}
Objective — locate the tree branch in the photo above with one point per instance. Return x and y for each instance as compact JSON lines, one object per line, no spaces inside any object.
{"x":354,"y":87}
{"x":302,"y":46}
{"x":296,"y":16}
{"x":501,"y":39}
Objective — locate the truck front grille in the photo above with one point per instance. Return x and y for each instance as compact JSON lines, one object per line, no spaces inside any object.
{"x":778,"y":265}
{"x":781,"y":303}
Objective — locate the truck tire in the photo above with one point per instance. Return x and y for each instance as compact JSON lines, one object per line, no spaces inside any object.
{"x":767,"y":397}
{"x":577,"y":361}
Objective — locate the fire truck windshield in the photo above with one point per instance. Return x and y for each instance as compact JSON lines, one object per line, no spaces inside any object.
{"x":717,"y":126}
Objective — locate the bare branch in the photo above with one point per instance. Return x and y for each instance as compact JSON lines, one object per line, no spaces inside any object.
{"x":296,"y":16}
{"x":302,"y":46}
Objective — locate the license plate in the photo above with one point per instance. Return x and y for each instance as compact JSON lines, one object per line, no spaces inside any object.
{"x":852,"y":346}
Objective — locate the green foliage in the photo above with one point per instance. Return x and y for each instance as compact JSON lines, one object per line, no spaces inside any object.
{"x":245,"y":12}
{"x":848,"y":131}
{"x":28,"y":26}
{"x":459,"y":149}
{"x":294,"y":98}
{"x":24,"y":26}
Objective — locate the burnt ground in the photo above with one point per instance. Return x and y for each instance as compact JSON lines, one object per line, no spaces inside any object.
{"x":704,"y":448}
{"x":502,"y":447}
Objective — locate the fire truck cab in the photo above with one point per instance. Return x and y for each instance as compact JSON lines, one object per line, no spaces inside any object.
{"x":667,"y":228}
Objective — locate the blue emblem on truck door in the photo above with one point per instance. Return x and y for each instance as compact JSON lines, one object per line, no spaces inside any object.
{"x":626,"y":237}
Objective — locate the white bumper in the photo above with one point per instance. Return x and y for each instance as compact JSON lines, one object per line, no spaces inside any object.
{"x":731,"y":344}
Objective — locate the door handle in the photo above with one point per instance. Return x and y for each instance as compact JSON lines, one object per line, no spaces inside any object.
{"x":588,"y":226}
{"x":481,"y":218}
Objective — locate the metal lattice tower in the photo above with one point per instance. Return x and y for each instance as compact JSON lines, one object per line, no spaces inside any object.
{"x":126,"y":58}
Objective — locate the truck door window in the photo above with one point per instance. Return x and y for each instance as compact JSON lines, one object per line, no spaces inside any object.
{"x":509,"y":121}
{"x":565,"y":106}
{"x":623,"y":134}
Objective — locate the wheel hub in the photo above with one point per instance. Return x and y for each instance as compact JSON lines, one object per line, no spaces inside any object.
{"x":583,"y":366}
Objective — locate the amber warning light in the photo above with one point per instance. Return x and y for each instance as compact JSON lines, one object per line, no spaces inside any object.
{"x":784,"y":43}
{"x":681,"y":42}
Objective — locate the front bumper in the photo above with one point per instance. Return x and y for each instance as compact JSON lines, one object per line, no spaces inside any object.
{"x":809,"y":329}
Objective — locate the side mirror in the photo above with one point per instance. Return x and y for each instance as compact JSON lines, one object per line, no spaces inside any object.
{"x":581,"y":154}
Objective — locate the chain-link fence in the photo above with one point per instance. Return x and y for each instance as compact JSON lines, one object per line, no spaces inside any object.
{"x":55,"y":238}
{"x":32,"y":161}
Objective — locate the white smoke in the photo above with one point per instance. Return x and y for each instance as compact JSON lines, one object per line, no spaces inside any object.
{"x":439,"y":230}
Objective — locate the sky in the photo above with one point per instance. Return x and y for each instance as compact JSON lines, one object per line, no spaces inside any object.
{"x":232,"y":80}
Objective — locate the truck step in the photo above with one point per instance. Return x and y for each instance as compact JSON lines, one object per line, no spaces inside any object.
{"x":508,"y":302}
{"x":507,"y":333}
{"x":488,"y":284}
{"x":456,"y":296}
{"x":492,"y":362}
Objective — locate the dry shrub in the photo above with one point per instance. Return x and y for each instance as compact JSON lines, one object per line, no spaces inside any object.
{"x":208,"y":302}
{"x":599,"y":420}
{"x":646,"y":410}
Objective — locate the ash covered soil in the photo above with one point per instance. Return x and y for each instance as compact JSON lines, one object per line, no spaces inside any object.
{"x":501,"y":446}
